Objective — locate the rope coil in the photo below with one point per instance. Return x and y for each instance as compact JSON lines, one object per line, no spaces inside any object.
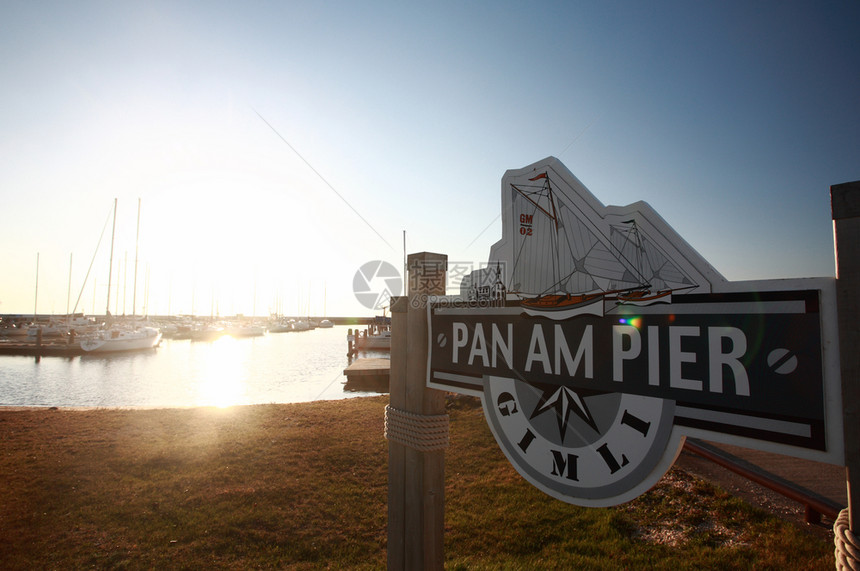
{"x":847,"y":543}
{"x":421,"y":432}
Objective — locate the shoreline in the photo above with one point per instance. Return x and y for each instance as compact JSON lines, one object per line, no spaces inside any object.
{"x":259,"y":370}
{"x":72,"y":408}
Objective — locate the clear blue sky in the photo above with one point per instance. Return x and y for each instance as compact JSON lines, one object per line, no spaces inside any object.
{"x":732,"y":119}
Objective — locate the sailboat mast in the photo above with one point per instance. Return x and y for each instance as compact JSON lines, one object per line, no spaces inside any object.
{"x":69,"y":292}
{"x":116,"y":302}
{"x":136,"y":243}
{"x":36,"y":300}
{"x":87,"y":276}
{"x":124,"y":281}
{"x":146,"y":294}
{"x":554,"y":238}
{"x":110,"y":263}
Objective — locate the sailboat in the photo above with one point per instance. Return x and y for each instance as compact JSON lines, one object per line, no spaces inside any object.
{"x":115,"y":336}
{"x":662,"y":276}
{"x":119,"y":337}
{"x":588,"y":269}
{"x":325,"y":323}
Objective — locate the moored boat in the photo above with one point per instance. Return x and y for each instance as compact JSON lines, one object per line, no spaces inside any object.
{"x":245,"y":330}
{"x":123,"y":335}
{"x":119,"y":338}
{"x":375,"y":342}
{"x":209,"y":332}
{"x":280,"y":326}
{"x":50,"y":329}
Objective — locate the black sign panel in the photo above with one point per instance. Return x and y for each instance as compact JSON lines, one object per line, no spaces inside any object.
{"x":740,"y":363}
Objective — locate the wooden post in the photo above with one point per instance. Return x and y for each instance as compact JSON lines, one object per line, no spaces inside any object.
{"x":416,"y":479}
{"x":397,"y":452}
{"x":845,"y":206}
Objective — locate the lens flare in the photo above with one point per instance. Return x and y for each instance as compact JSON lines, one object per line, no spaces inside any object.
{"x":633,"y":321}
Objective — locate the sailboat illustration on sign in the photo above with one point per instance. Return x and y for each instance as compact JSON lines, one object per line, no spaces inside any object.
{"x":565,"y":254}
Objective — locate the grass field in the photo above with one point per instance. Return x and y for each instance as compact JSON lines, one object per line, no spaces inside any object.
{"x":304,"y":486}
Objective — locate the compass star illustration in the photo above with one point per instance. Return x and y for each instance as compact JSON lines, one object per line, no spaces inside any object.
{"x":564,"y":401}
{"x":579,"y":445}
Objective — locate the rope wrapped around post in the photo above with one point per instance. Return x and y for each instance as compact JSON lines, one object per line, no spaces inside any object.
{"x":847,"y":544}
{"x":418,"y":431}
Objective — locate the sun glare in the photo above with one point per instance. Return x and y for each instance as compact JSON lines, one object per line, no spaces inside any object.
{"x":222,"y":383}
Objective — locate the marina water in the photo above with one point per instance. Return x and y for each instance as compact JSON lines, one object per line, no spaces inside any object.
{"x":274,"y":368}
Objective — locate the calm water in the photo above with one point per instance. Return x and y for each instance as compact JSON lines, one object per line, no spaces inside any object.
{"x":275,"y":368}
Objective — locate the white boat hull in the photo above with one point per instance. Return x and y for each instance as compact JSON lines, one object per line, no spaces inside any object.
{"x":380,"y":342}
{"x":247,"y":331}
{"x":122,"y":340}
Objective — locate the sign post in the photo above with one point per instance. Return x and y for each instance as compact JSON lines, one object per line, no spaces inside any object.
{"x":845,"y":205}
{"x":416,"y":427}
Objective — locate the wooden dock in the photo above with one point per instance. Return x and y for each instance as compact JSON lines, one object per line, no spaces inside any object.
{"x":368,"y":375}
{"x":60,"y":349}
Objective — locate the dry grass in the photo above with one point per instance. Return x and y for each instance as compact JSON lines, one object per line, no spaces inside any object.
{"x":304,"y":487}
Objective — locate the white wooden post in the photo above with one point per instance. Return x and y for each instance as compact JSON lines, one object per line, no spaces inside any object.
{"x":416,"y":476}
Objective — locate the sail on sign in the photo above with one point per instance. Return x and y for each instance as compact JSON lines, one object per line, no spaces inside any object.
{"x":598,"y":340}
